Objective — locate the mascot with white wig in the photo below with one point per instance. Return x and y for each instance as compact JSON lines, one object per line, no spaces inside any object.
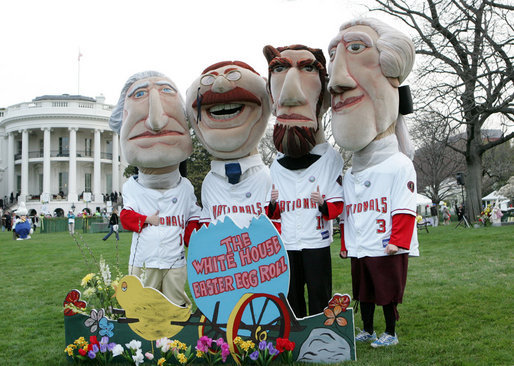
{"x":159,"y":204}
{"x":368,"y":62}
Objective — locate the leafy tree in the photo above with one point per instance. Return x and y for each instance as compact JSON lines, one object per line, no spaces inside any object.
{"x":465,"y":72}
{"x":198,"y":165}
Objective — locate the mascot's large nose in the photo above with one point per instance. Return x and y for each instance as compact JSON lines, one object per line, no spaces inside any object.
{"x":340,"y":78}
{"x":292,"y":92}
{"x":156,"y":118}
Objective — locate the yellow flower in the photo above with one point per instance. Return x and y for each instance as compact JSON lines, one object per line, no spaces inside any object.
{"x":247,"y":345}
{"x":80,"y":341}
{"x":70,"y":349}
{"x":174,"y":344}
{"x":100,"y":288}
{"x":181,"y":358}
{"x":86,"y":279}
{"x":238,"y":340}
{"x":161,"y":361}
{"x":182,"y":346}
{"x":199,"y":354}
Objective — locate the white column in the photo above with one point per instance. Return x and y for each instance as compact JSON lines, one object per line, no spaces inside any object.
{"x":72,"y":177}
{"x":97,"y":169}
{"x":24,"y":166}
{"x":10,"y":164}
{"x":46,"y":164}
{"x":115,"y":163}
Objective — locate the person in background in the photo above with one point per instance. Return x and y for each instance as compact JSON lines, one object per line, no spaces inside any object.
{"x":71,"y":222}
{"x":113,"y":225}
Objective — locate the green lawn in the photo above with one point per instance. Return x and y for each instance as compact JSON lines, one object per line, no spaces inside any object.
{"x":457,"y":307}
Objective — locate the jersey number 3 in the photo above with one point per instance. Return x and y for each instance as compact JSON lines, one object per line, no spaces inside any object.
{"x":381,"y":226}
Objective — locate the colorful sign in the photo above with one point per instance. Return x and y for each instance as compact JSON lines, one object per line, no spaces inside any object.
{"x":226,"y":262}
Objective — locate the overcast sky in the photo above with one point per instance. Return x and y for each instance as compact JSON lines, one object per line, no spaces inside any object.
{"x":40,"y":40}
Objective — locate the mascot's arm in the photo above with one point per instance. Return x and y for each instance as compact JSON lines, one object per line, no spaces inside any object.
{"x":402,"y":230}
{"x":133,"y":221}
{"x":273,"y":211}
{"x":344,"y":252}
{"x":330,"y":210}
{"x":191,"y":225}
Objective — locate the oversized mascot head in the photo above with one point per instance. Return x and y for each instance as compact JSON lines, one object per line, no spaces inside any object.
{"x":228,"y":107}
{"x":296,"y":84}
{"x":150,"y":118}
{"x":368,"y":62}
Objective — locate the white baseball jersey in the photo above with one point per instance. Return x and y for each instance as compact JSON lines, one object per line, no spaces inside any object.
{"x":371,"y":198}
{"x":241,"y":201}
{"x":161,"y":246}
{"x":303,"y":225}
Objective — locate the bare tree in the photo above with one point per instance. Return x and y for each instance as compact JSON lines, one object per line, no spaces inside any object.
{"x":266,"y":146}
{"x":435,"y":163}
{"x":465,"y":73}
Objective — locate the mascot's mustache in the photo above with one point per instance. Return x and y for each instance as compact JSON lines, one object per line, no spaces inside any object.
{"x":293,"y":141}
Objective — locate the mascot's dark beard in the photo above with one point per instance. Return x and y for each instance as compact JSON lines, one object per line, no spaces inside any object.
{"x":292,"y":140}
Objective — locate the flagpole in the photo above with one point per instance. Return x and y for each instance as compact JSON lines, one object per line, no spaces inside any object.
{"x":78,"y":73}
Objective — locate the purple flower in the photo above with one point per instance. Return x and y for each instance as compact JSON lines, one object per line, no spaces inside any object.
{"x":254,"y":355}
{"x":104,"y":340}
{"x":219,"y":342}
{"x":103,"y":348}
{"x":272,"y":350}
{"x":202,"y":346}
{"x":111,"y":346}
{"x":95,"y":348}
{"x":91,"y":354}
{"x":262,"y":345}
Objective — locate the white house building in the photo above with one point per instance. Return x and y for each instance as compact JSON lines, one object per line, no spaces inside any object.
{"x":58,"y":151}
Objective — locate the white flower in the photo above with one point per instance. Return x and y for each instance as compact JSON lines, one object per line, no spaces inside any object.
{"x":138,"y":358}
{"x":105,"y":271}
{"x":90,"y":291}
{"x":117,"y":350}
{"x":149,"y":356}
{"x":134,"y":345}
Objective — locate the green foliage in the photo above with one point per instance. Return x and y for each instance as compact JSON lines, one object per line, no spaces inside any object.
{"x":130,"y":171}
{"x":198,"y":165}
{"x":457,"y":305}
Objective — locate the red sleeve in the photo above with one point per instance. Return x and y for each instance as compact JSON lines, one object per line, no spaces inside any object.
{"x":273,"y":213}
{"x":133,"y":221}
{"x":191,"y":225}
{"x":402,"y":230}
{"x":343,"y":245}
{"x":334,"y":210}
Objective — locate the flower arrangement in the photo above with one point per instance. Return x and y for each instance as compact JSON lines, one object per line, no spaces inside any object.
{"x":485,"y":216}
{"x":285,"y":347}
{"x":98,"y":291}
{"x":174,"y":352}
{"x":243,"y":350}
{"x":212,"y":351}
{"x":102,"y":352}
{"x":336,"y":306}
{"x":265,"y":354}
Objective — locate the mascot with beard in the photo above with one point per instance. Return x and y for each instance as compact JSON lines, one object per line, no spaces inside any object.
{"x":306,"y":175}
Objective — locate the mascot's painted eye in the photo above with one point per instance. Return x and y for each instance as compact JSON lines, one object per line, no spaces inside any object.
{"x":140,"y":93}
{"x":309,"y":68}
{"x":207,"y":80}
{"x":124,"y":286}
{"x":278,"y":68}
{"x":233,"y":76}
{"x":167,"y":90}
{"x":356,"y":47}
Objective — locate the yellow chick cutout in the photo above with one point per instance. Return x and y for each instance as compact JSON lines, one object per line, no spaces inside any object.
{"x":148,"y":310}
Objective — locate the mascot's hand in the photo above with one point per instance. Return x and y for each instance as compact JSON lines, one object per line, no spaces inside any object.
{"x":343,"y":254}
{"x":317,"y":197}
{"x":153,"y":220}
{"x":391,"y":249}
{"x":274,"y":194}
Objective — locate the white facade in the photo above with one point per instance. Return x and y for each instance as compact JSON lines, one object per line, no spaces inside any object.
{"x":56,"y":148}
